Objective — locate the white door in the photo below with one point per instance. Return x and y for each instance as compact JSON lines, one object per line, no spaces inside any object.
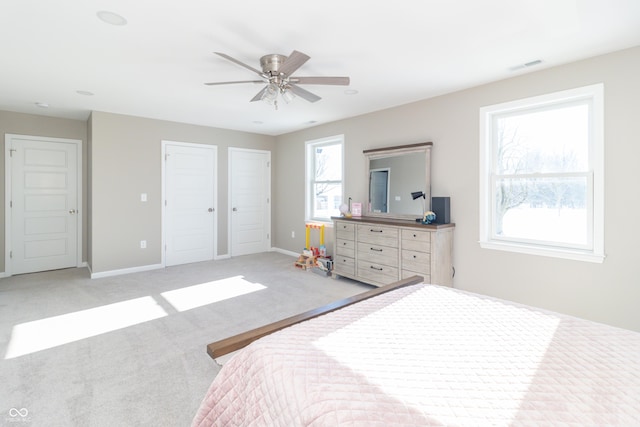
{"x":189,"y":203}
{"x":43,"y":203}
{"x":249,"y":201}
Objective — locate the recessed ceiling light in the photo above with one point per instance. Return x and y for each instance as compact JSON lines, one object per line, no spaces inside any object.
{"x":84,"y":92}
{"x":350,"y":92}
{"x":42,"y":104}
{"x":311,"y":122}
{"x":111,"y":18}
{"x":257,"y":122}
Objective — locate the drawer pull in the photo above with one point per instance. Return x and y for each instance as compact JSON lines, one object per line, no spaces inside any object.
{"x":375,"y":231}
{"x":414,"y":257}
{"x":375,"y":249}
{"x":414,"y":235}
{"x":375,"y":268}
{"x":344,"y":243}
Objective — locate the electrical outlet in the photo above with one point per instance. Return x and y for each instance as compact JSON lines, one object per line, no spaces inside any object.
{"x":143,"y":244}
{"x":293,"y":234}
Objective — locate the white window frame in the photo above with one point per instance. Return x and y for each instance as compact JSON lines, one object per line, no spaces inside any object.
{"x":310,"y":147}
{"x":594,"y":250}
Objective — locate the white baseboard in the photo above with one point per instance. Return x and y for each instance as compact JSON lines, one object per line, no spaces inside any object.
{"x":219,"y":257}
{"x":3,"y":274}
{"x":285,"y":252}
{"x":125,"y":271}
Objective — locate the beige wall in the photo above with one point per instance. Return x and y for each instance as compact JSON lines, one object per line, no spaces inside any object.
{"x":28,"y":124}
{"x":607,"y":292}
{"x":125,"y":162}
{"x":89,"y":202}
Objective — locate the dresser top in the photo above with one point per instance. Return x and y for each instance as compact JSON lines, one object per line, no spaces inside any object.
{"x":391,"y":221}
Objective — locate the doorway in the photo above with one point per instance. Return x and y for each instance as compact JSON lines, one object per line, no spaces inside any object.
{"x":379,"y":190}
{"x":249,"y":201}
{"x":189,"y":202}
{"x":43,"y":196}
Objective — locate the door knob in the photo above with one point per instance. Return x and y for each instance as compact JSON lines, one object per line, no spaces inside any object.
{"x":210,"y":209}
{"x":235,"y":209}
{"x":72,"y":211}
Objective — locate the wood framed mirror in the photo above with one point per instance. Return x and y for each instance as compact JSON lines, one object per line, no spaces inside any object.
{"x":393,"y":174}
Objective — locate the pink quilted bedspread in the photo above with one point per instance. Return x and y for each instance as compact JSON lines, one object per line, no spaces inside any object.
{"x":428,"y":355}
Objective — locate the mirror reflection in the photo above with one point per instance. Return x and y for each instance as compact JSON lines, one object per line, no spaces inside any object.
{"x":395,"y":173}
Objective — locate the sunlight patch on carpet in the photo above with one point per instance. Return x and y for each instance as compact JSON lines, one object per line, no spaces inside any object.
{"x":37,"y":335}
{"x":211,"y":292}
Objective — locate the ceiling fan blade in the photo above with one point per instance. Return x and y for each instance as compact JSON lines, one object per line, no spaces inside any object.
{"x":293,"y":62}
{"x":340,"y":81}
{"x":259,"y":95}
{"x":242,"y":64}
{"x":303,"y":93}
{"x":230,"y":83}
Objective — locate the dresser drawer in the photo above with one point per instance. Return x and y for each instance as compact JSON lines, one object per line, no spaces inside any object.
{"x":344,"y":265}
{"x":379,"y":235}
{"x":416,"y":240}
{"x":377,"y":272}
{"x":416,"y":261}
{"x":345,"y":230}
{"x":346,"y":248}
{"x":378,"y":254}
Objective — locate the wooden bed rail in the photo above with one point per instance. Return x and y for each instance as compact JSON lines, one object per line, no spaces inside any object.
{"x":236,"y":342}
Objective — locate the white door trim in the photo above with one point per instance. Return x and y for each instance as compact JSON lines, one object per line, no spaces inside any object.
{"x":229,"y":182}
{"x":164,"y":145}
{"x":8,"y":138}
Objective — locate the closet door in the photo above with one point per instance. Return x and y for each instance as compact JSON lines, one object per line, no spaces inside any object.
{"x":249,"y":199}
{"x":189,"y":203}
{"x":44,"y":196}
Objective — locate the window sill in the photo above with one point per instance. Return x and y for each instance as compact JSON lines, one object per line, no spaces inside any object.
{"x":575,"y":255}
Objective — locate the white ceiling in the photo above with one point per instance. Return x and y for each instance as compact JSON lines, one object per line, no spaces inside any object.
{"x":395,"y":52}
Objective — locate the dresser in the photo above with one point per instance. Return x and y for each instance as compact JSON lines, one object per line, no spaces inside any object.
{"x":380,"y":251}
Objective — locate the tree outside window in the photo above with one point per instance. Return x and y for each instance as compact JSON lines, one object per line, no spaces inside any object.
{"x":324,"y":176}
{"x":541,"y":173}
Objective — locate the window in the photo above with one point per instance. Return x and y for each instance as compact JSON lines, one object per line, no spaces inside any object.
{"x":541,"y":175}
{"x":324,"y":178}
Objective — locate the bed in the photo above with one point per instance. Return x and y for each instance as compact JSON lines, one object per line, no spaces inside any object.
{"x":416,"y":354}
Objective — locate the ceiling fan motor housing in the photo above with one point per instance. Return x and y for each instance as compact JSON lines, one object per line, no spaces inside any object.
{"x":271,"y":63}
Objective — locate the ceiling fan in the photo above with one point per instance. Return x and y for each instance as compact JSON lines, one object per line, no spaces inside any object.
{"x":276,"y":73}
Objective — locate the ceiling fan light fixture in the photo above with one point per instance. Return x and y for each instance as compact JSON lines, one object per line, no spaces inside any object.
{"x":270,"y":96}
{"x":287,"y":95}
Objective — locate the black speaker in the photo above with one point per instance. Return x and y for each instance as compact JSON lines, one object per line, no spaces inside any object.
{"x":441,"y":207}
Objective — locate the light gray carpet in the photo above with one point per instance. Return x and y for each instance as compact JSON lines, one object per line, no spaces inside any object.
{"x":152,"y":373}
